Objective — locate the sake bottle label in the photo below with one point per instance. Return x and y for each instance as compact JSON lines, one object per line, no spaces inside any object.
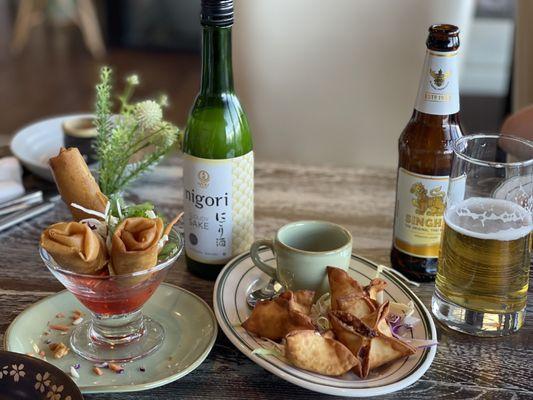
{"x":219,"y":207}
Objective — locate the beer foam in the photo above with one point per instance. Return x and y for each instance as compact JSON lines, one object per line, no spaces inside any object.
{"x":487,"y":218}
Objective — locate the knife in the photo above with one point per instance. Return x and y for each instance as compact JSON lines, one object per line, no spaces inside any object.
{"x":21,"y":203}
{"x":23,"y":215}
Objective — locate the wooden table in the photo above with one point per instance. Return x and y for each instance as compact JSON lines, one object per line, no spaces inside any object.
{"x":360,"y":199}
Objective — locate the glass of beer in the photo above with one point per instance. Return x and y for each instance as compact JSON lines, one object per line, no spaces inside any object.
{"x":485,"y":253}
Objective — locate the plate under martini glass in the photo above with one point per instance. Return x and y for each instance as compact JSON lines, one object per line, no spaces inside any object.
{"x":190,"y":332}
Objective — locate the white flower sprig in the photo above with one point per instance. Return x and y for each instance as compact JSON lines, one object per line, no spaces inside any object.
{"x":134,"y":140}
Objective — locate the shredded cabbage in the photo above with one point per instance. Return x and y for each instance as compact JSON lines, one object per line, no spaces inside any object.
{"x":267,"y":352}
{"x":323,"y":324}
{"x":411,"y":321}
{"x":421,"y":343}
{"x":379,"y":297}
{"x":88,"y":211}
{"x":119,"y":209}
{"x":150,"y":214}
{"x":168,"y":250}
{"x":100,"y":227}
{"x":271,"y":348}
{"x":319,"y":312}
{"x":401,"y":309}
{"x":379,"y":270}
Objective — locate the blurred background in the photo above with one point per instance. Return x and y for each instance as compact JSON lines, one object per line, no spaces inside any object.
{"x":323,"y":82}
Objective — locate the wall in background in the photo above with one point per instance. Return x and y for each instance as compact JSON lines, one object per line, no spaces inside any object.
{"x":339,"y":79}
{"x":336,"y":78}
{"x":487,"y":66}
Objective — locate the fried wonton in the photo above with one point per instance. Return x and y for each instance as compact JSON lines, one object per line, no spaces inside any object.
{"x":374,"y":289}
{"x":273,"y":319}
{"x":311,"y":351}
{"x":378,"y":321}
{"x":348,"y":295}
{"x":341,"y":285}
{"x":382,"y":350}
{"x":355,"y":305}
{"x":353,"y":336}
{"x":368,"y":343}
{"x":329,"y":334}
{"x":300,"y":300}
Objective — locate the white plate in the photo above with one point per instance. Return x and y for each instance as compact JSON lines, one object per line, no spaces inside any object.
{"x":34,"y":144}
{"x":190,"y":333}
{"x":229,"y":299}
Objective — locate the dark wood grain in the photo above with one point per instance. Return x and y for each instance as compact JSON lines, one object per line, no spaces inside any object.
{"x":360,"y":199}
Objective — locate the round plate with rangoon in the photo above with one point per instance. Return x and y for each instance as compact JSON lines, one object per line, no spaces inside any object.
{"x":388,"y":347}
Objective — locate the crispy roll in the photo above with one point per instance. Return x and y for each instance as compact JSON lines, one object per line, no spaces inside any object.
{"x":134,"y":246}
{"x":75,"y":247}
{"x":76,"y":184}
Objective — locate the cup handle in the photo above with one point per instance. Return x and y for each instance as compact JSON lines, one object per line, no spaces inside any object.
{"x":259,"y":263}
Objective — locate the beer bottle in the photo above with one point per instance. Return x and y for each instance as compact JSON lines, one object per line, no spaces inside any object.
{"x":218,"y":157}
{"x":425,"y":156}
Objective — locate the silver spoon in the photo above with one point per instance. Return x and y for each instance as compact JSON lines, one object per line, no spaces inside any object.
{"x":271,"y":290}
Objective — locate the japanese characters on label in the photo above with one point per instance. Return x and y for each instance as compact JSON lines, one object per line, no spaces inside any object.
{"x":218,"y":205}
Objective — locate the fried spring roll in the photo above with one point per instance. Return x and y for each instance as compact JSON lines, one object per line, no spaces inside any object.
{"x":76,"y":184}
{"x":134,"y":246}
{"x":75,"y":247}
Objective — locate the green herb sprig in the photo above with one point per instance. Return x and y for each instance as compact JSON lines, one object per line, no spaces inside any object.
{"x":134,"y":140}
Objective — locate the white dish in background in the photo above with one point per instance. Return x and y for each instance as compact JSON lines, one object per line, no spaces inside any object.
{"x":34,"y":144}
{"x":229,"y":299}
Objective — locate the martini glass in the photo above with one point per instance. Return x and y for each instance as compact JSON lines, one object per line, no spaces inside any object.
{"x":117,"y":330}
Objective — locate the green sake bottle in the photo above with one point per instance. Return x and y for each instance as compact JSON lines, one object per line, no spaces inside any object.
{"x":218,"y":161}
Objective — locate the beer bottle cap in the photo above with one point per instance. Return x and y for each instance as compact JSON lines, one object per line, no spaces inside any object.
{"x":443,"y":37}
{"x":217,"y":13}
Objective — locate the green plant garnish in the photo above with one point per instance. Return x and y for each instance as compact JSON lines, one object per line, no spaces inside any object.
{"x":138,"y":210}
{"x":134,"y":140}
{"x":168,"y":250}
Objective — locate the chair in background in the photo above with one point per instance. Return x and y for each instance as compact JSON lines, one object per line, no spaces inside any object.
{"x":33,"y":12}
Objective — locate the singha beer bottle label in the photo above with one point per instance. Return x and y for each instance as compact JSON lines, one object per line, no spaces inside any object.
{"x":218,"y":205}
{"x":419,"y":213}
{"x":438,"y":92}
